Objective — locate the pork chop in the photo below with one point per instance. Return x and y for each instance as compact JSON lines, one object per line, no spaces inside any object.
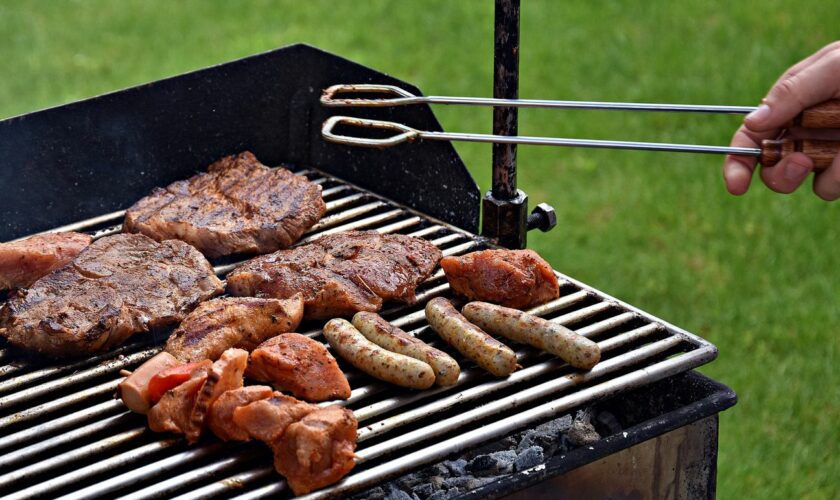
{"x":340,"y":274}
{"x":239,"y":205}
{"x":242,"y":322}
{"x":24,"y":262}
{"x":118,"y":286}
{"x":513,"y":278}
{"x":297,"y":364}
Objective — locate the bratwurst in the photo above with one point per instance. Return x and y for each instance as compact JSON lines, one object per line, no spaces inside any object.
{"x":386,"y":335}
{"x":377,"y":362}
{"x":470,"y":340}
{"x":543,"y":334}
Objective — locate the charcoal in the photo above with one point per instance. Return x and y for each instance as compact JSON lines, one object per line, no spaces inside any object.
{"x":376,"y":493}
{"x":458,"y":482}
{"x":423,"y":490}
{"x":438,"y":495}
{"x":583,"y":433}
{"x":457,"y":467}
{"x":498,"y":462}
{"x":394,"y":493}
{"x":548,"y":436}
{"x":439,"y":470}
{"x":529,"y":458}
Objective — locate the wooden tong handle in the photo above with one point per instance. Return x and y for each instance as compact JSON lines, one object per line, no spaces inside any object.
{"x":823,"y":115}
{"x":821,"y":152}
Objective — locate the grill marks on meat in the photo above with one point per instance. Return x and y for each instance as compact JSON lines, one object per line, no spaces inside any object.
{"x":297,"y":364}
{"x":243,"y":322}
{"x":313,"y":447}
{"x":340,"y":274}
{"x":513,"y":278}
{"x":24,"y":262}
{"x":239,"y":205}
{"x":118,"y":286}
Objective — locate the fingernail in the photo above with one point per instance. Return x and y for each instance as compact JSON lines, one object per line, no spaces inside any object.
{"x":795,"y":171}
{"x":761,"y":113}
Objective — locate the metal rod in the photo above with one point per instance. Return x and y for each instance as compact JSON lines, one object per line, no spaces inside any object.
{"x":410,"y":134}
{"x":406,"y":98}
{"x":505,"y":86}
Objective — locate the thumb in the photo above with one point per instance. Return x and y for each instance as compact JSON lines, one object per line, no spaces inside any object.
{"x":790,"y":96}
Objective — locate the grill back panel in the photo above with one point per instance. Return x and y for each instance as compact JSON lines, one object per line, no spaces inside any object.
{"x":95,"y":156}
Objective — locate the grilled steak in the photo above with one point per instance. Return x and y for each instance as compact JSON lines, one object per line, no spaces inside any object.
{"x":118,"y":286}
{"x":242,"y":322}
{"x":340,"y":274}
{"x":238,"y":205}
{"x":23,"y":262}
{"x":295,"y":363}
{"x":512,"y":278}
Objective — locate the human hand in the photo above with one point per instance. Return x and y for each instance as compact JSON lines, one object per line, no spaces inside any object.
{"x":807,"y":83}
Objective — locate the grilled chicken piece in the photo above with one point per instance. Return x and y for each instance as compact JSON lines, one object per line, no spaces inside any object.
{"x":243,"y":322}
{"x":226,"y":374}
{"x":134,"y":390}
{"x":116,"y":287}
{"x":174,"y":410}
{"x":295,"y":363}
{"x":238,"y":205}
{"x":513,"y":278}
{"x":340,"y":274}
{"x":317,"y":450}
{"x":220,"y":417}
{"x":24,"y":262}
{"x":266,"y":420}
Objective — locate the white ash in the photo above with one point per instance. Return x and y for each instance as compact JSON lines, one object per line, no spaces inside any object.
{"x":522,"y":451}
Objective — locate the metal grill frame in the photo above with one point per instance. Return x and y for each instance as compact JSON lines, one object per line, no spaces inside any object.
{"x":101,"y":450}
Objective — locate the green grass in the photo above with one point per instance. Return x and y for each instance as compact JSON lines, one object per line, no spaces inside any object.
{"x":758,"y":275}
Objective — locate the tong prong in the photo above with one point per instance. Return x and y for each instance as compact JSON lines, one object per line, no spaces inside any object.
{"x":400,"y":96}
{"x":406,"y":133}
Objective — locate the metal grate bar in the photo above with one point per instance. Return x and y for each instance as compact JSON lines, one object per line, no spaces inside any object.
{"x":111,"y":453}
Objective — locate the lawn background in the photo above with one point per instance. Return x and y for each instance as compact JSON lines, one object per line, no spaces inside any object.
{"x":757,"y":275}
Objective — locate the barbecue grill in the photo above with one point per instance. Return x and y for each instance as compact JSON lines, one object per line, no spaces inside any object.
{"x":76,"y":167}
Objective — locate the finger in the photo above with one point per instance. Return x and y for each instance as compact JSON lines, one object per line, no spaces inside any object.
{"x":827,"y":182}
{"x":738,"y":169}
{"x":788,"y":174}
{"x":815,"y":84}
{"x":808,"y":61}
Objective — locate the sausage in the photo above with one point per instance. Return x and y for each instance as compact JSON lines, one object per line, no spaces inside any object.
{"x":134,"y":390}
{"x":545,"y":335}
{"x":388,"y":336}
{"x":377,"y":362}
{"x":470,"y":340}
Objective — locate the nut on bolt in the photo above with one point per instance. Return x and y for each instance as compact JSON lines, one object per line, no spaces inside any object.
{"x":542,"y":217}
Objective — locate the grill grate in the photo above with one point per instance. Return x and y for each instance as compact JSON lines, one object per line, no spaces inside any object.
{"x":64,"y":434}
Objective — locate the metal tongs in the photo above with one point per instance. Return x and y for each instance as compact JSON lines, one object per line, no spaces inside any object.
{"x":822,"y":116}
